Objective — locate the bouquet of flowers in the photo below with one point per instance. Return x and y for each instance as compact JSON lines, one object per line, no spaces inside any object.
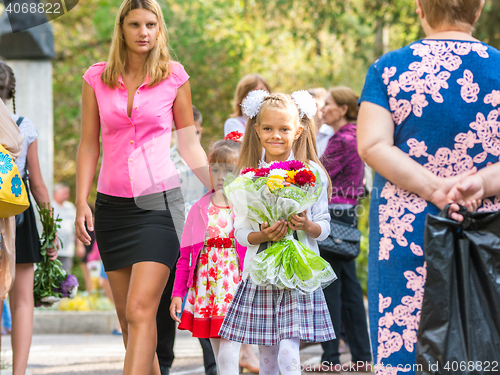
{"x":52,"y":282}
{"x":274,"y":193}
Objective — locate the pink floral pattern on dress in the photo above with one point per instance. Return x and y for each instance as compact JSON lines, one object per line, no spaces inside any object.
{"x":393,"y":221}
{"x":425,"y":78}
{"x":416,"y":249}
{"x":388,"y":73}
{"x":493,"y":98}
{"x":407,"y":315}
{"x":469,"y":89}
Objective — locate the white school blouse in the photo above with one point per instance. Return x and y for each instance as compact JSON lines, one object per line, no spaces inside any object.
{"x":317,"y":213}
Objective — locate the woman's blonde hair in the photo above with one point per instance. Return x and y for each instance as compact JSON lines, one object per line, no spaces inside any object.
{"x":157,"y":63}
{"x":451,"y":12}
{"x":304,"y":148}
{"x":343,"y":95}
{"x":245,"y":85}
{"x":10,"y":137}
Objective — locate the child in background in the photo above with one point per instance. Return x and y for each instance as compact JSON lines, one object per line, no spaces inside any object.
{"x":210,"y":262}
{"x":278,"y":319}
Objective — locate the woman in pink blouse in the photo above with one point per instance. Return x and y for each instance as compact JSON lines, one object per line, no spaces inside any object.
{"x":131,"y":101}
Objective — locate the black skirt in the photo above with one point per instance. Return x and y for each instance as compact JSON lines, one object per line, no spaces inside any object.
{"x":141,"y":229}
{"x":27,"y":239}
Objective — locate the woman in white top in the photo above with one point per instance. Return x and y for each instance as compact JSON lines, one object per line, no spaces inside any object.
{"x":27,"y":243}
{"x":238,"y":121}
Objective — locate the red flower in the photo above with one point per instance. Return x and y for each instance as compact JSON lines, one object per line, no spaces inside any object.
{"x":205,"y":312}
{"x":225,"y":272}
{"x":191,"y":299}
{"x":262,"y":172}
{"x":211,"y":299}
{"x":208,"y":285}
{"x":231,"y":234}
{"x":236,"y":278}
{"x":215,"y":310}
{"x":227,"y":242}
{"x":229,"y":298}
{"x":246,"y":170}
{"x":212,"y":273}
{"x":226,"y":254}
{"x":204,"y":259}
{"x":234,"y":136}
{"x":214,"y":258}
{"x":304,"y":177}
{"x":219,"y":243}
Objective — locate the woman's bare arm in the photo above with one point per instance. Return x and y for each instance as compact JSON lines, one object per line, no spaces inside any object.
{"x":188,"y":142}
{"x":86,"y":161}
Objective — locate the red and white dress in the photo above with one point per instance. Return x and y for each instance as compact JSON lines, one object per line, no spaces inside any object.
{"x":217,"y":277}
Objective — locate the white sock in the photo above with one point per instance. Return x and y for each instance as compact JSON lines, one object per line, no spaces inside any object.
{"x":227,"y":355}
{"x":284,"y":357}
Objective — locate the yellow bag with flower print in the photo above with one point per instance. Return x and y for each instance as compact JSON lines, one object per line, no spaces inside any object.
{"x":13,"y":194}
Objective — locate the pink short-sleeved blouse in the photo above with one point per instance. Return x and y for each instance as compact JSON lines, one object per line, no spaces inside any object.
{"x":136,"y":150}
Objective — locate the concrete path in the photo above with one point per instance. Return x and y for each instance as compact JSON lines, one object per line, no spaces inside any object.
{"x":103,"y":355}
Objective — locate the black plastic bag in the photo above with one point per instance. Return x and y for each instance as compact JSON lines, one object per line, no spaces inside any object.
{"x":459,"y":330}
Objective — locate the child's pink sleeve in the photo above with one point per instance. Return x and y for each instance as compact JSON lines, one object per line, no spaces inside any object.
{"x":182,"y":271}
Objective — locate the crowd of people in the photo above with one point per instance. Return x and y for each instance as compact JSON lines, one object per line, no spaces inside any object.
{"x":177,"y":253}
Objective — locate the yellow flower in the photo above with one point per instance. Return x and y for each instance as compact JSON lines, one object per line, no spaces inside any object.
{"x":291,"y":176}
{"x":274,"y":182}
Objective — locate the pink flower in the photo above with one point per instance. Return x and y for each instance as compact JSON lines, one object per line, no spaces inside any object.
{"x":213,"y":210}
{"x":221,"y":222}
{"x":213,"y":231}
{"x":231,"y":234}
{"x":225,"y":285}
{"x":223,"y":309}
{"x":191,"y":299}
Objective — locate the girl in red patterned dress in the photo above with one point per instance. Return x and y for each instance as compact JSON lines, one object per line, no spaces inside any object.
{"x":211,"y":261}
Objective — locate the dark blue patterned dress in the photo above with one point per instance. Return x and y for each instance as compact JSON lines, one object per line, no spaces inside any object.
{"x":444,"y":97}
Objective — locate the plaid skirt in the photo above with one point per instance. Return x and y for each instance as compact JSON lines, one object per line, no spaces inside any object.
{"x":266,"y":315}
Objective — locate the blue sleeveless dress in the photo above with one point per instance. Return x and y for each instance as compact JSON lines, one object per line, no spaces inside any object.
{"x":444,"y":97}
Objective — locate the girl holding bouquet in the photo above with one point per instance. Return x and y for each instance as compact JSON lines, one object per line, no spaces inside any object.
{"x":209,"y":268}
{"x":274,"y":317}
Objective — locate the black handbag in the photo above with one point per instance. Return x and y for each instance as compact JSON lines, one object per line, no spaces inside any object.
{"x":459,"y":330}
{"x":344,"y":241}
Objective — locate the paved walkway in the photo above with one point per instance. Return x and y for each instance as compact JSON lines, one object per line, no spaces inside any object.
{"x":103,"y":355}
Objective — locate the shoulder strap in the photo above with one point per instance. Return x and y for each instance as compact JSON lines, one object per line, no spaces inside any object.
{"x":19,"y":121}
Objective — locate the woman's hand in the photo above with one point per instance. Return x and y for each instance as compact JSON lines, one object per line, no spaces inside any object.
{"x":275,"y":232}
{"x":175,"y":308}
{"x":445,"y":185}
{"x":83,"y":215}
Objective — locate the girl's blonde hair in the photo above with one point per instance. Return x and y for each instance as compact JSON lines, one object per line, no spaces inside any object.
{"x":343,"y":95}
{"x":225,"y":151}
{"x":157,"y":63}
{"x":10,"y":137}
{"x":304,"y":148}
{"x":451,"y":12}
{"x":245,"y":85}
